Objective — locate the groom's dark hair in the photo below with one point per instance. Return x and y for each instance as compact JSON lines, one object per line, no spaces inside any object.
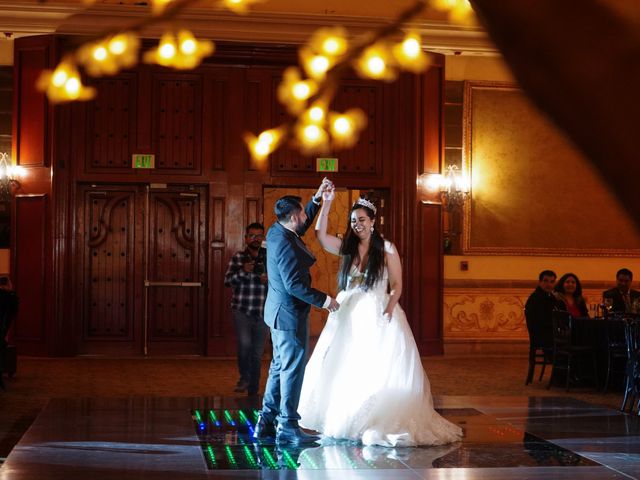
{"x":286,"y":206}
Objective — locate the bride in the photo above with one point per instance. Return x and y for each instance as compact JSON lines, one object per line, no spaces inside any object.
{"x":364,"y":381}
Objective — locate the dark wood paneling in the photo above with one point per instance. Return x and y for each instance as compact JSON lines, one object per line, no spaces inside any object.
{"x":177,"y":123}
{"x":193,"y":123}
{"x":31,"y":277}
{"x":253,"y":210}
{"x":428,"y":331}
{"x":111,"y":123}
{"x":218,"y":295}
{"x":31,"y":133}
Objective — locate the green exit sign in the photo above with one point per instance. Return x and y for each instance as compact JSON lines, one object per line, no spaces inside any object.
{"x":143,"y":160}
{"x":326,"y":164}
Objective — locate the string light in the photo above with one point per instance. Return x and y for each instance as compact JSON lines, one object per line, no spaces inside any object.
{"x":376,"y":62}
{"x":345,"y":128}
{"x":183,"y":53}
{"x":264,"y":144}
{"x":306,"y":91}
{"x":408,"y":54}
{"x":63,"y":84}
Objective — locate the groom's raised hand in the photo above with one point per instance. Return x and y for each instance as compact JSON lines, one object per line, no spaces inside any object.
{"x":324,"y":186}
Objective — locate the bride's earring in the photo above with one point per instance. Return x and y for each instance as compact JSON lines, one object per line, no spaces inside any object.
{"x":371,"y":228}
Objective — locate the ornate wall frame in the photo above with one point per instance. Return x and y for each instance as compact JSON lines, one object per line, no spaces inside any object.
{"x":533,"y":193}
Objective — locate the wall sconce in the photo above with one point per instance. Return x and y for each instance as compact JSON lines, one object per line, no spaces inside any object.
{"x":9,"y":176}
{"x":454,"y":187}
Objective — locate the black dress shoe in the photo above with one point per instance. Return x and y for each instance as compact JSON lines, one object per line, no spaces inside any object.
{"x":294,"y":436}
{"x":264,"y":428}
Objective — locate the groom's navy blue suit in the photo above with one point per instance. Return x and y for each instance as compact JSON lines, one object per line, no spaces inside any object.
{"x":286,"y":311}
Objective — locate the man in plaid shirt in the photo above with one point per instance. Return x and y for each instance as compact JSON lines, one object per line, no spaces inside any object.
{"x":247,"y":276}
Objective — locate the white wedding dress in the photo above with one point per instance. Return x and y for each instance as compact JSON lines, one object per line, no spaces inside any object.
{"x":365,"y":382}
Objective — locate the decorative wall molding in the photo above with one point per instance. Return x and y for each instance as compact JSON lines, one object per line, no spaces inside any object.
{"x":492,"y":312}
{"x":23,"y":18}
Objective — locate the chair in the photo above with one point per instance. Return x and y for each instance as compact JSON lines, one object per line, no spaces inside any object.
{"x":567,"y":356}
{"x":540,"y":344}
{"x":616,"y":347}
{"x":632,"y":374}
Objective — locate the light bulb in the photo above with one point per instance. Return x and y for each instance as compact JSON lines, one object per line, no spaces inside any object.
{"x":411,"y":47}
{"x":118,"y":44}
{"x":316,"y":114}
{"x":59,"y":76}
{"x":342,"y":126}
{"x":319,"y":64}
{"x":100,"y":53}
{"x":167,"y":50}
{"x":376,"y":65}
{"x":311,"y":133}
{"x":72,"y":87}
{"x":301,"y":90}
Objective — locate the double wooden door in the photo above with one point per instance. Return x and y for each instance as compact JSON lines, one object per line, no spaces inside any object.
{"x":141,"y":269}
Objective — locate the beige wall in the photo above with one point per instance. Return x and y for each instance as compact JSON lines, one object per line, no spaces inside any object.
{"x":483,"y":306}
{"x":6,"y":52}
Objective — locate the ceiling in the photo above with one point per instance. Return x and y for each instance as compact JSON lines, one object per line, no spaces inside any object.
{"x":271,"y":21}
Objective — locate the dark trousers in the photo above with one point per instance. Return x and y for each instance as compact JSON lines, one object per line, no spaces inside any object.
{"x":251,"y":333}
{"x":282,"y":393}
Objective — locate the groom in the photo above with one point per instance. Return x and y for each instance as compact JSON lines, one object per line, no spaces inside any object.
{"x":286,"y":311}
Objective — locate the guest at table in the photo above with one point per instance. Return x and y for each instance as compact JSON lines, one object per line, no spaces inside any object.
{"x":539,"y":306}
{"x":623,"y":296}
{"x":568,"y":292}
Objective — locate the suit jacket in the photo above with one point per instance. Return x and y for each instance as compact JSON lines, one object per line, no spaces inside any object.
{"x":290,"y":295}
{"x":618,"y":301}
{"x":537,"y":312}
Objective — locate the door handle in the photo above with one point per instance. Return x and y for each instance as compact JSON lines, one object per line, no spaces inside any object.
{"x":148,"y":283}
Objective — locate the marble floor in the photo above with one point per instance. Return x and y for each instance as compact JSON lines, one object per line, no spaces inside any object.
{"x":197,"y":438}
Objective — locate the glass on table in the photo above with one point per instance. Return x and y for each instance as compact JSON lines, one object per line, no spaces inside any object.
{"x":608,"y":304}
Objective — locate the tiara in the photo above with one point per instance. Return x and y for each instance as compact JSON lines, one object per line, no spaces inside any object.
{"x":366,"y":203}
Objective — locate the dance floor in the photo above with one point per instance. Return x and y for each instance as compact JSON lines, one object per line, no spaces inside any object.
{"x":198,"y":438}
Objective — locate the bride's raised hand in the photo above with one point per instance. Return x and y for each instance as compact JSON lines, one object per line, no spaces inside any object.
{"x":329,"y":194}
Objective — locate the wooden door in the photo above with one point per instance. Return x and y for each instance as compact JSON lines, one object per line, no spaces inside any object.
{"x":175,"y":310}
{"x":141,"y":270}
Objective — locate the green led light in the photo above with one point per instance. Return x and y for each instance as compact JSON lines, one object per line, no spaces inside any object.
{"x":270,"y":461}
{"x":249,"y":456}
{"x":256,"y":413}
{"x":242,"y":416}
{"x":291,"y":463}
{"x":305,"y":458}
{"x":230,"y":456}
{"x":212,"y":456}
{"x":229,"y":418}
{"x":198,"y":416}
{"x":351,"y":463}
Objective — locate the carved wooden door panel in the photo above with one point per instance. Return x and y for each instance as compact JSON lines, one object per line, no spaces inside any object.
{"x":175,"y":276}
{"x":110,"y":240}
{"x":142,"y":270}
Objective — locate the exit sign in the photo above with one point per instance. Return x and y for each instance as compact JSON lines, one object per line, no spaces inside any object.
{"x":326,"y":164}
{"x":143,"y":160}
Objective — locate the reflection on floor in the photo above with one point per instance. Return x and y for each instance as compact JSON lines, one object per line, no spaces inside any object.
{"x":194,"y":438}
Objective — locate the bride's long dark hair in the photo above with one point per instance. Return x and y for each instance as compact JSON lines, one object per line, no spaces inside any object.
{"x":349,"y":251}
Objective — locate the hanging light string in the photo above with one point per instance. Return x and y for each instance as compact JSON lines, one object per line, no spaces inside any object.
{"x":307,"y":90}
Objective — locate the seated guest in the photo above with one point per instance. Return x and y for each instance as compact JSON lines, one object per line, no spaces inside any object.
{"x":622,"y":295}
{"x":538,"y":309}
{"x":568,"y":292}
